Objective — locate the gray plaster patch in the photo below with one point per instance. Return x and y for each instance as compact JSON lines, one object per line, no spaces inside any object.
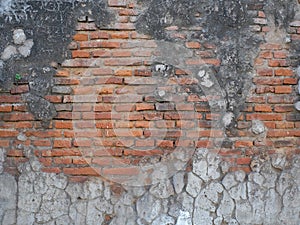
{"x":25,"y":49}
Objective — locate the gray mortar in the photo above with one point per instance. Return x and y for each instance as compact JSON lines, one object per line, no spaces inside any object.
{"x":269,"y":196}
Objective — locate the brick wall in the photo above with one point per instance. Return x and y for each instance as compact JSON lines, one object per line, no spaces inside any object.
{"x":119,"y":110}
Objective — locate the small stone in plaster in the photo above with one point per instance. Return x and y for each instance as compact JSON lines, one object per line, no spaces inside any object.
{"x":297,"y":105}
{"x":257,"y":127}
{"x":19,"y":36}
{"x":8,"y":52}
{"x":25,"y":49}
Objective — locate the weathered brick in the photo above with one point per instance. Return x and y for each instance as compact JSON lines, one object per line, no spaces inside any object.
{"x":193,"y":44}
{"x":263,"y":108}
{"x":164,"y":106}
{"x":80,"y":37}
{"x":87,"y":171}
{"x":264,"y":117}
{"x":62,"y":143}
{"x":80,"y":54}
{"x":117,"y":3}
{"x":284,"y":72}
{"x":283,"y":89}
{"x":265,"y":72}
{"x":277,"y":63}
{"x":19,"y":89}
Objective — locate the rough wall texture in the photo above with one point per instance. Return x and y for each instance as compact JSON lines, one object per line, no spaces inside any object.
{"x":149,"y":112}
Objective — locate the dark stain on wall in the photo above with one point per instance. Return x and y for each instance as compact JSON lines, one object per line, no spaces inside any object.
{"x":50,"y":24}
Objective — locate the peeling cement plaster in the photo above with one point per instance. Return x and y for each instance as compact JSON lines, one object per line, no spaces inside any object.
{"x":270,"y":195}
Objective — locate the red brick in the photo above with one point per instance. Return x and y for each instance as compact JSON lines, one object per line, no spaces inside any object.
{"x":153,"y":116}
{"x":267,"y":81}
{"x":10,"y":99}
{"x":104,"y":124}
{"x":185,"y":124}
{"x":242,"y":144}
{"x":277,"y":63}
{"x":269,"y":46}
{"x":123,"y":72}
{"x":44,"y":143}
{"x":164,"y":106}
{"x":82,"y":107}
{"x":192,"y":44}
{"x":215,"y":62}
{"x":277,"y":133}
{"x":243,"y":161}
{"x":165,"y":143}
{"x":102,"y":107}
{"x":144,"y":106}
{"x":4,"y":143}
{"x":185,"y":107}
{"x":19,"y":89}
{"x":265,"y":117}
{"x":121,"y":171}
{"x":80,"y":37}
{"x":80,"y":54}
{"x":14,"y":153}
{"x":62,"y":160}
{"x":117,"y":3}
{"x":81,"y":161}
{"x":256,"y":99}
{"x":101,"y":53}
{"x":292,"y":81}
{"x":62,"y":144}
{"x":284,"y":125}
{"x":46,"y":161}
{"x":5,"y":108}
{"x":102,"y":71}
{"x":142,"y":124}
{"x":261,"y":14}
{"x":185,"y":143}
{"x":100,"y":44}
{"x":123,"y":26}
{"x":263,"y":108}
{"x":54,"y":98}
{"x":144,"y":143}
{"x":123,"y":62}
{"x":120,"y":35}
{"x":265,"y":72}
{"x":62,"y":73}
{"x":283,"y":108}
{"x":127,"y":12}
{"x":280,"y":54}
{"x":144,"y":73}
{"x":79,"y":142}
{"x":284,"y":72}
{"x":18,"y":117}
{"x":124,"y":108}
{"x":65,"y":81}
{"x":86,"y":27}
{"x":99,"y":35}
{"x":286,"y":99}
{"x":87,"y":171}
{"x":132,"y":152}
{"x":61,"y":152}
{"x":51,"y":170}
{"x":283,"y":89}
{"x":266,"y":55}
